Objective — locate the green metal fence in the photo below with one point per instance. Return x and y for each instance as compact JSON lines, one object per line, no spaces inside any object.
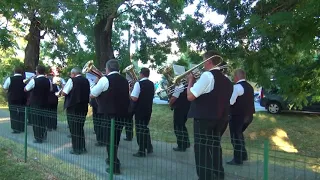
{"x":265,"y":161}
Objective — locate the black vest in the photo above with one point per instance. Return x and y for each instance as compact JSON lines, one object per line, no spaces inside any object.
{"x":79,"y":93}
{"x":244,"y":104}
{"x":53,"y":99}
{"x":39,"y":94}
{"x":115,"y":100}
{"x":143,"y":106}
{"x":215,"y":104}
{"x":182,"y":101}
{"x":16,"y":90}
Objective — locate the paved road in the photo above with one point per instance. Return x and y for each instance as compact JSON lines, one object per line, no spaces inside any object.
{"x":163,"y":164}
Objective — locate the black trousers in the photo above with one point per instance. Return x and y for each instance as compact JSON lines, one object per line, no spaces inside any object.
{"x":129,"y":126}
{"x":207,"y":147}
{"x":53,"y":118}
{"x":237,"y":125}
{"x":97,"y":126}
{"x":143,"y":133}
{"x":39,"y":121}
{"x":179,"y":125}
{"x":17,"y":113}
{"x":76,"y":116}
{"x":106,"y":124}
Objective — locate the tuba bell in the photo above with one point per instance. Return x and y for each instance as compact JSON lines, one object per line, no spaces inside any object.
{"x":90,"y":68}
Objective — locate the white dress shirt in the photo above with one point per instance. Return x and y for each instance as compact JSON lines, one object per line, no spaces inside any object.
{"x":204,"y":85}
{"x":102,"y":85}
{"x":7,"y":83}
{"x":136,"y":88}
{"x":31,"y":83}
{"x":237,"y":91}
{"x":68,"y":87}
{"x":178,"y":90}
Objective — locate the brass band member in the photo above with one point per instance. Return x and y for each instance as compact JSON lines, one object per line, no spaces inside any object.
{"x":181,"y":105}
{"x":142,"y":94}
{"x":76,"y":92}
{"x":17,"y":99}
{"x":210,"y":106}
{"x":40,"y":89}
{"x":112,"y":93}
{"x":53,"y":106}
{"x":97,"y":119}
{"x":242,"y":110}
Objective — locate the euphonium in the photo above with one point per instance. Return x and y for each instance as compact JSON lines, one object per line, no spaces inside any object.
{"x":90,"y":68}
{"x":130,"y":75}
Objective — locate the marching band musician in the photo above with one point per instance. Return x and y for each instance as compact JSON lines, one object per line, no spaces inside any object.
{"x":112,"y":94}
{"x":210,"y":106}
{"x":242,"y":110}
{"x":76,"y":92}
{"x":97,"y":117}
{"x":16,"y":99}
{"x":180,"y":105}
{"x":53,"y":106}
{"x":142,"y":94}
{"x":39,"y":88}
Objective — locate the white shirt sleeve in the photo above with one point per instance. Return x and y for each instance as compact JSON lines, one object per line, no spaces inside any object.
{"x":30,"y":85}
{"x":7,"y":83}
{"x":68,"y":87}
{"x":204,"y":85}
{"x":177,"y":91}
{"x":136,"y":90}
{"x":101,"y":86}
{"x":237,"y":91}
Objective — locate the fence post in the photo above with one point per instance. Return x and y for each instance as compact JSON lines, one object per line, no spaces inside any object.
{"x":112,"y":149}
{"x":266,"y":160}
{"x":25,"y":133}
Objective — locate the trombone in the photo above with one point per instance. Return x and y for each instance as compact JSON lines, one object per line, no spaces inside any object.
{"x":182,"y":80}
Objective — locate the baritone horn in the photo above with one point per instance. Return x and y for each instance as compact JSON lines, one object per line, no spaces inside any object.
{"x":90,"y":68}
{"x":130,"y":75}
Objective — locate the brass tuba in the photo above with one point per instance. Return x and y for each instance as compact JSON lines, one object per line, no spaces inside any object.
{"x":90,"y":68}
{"x":130,"y":75}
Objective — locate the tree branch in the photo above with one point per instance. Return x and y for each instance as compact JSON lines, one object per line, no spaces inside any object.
{"x":42,"y":36}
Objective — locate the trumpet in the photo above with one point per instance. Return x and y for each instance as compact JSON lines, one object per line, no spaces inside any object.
{"x":27,"y":80}
{"x":182,"y":80}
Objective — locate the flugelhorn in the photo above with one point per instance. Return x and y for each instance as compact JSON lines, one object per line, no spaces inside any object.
{"x":90,"y":68}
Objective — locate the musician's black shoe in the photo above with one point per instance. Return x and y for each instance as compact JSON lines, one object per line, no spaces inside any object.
{"x":139,"y":154}
{"x":127,"y":139}
{"x":115,"y":171}
{"x":150,"y":151}
{"x":179,"y":149}
{"x":16,"y":132}
{"x":99,"y":144}
{"x":76,"y":152}
{"x":37,"y":141}
{"x":233,"y":162}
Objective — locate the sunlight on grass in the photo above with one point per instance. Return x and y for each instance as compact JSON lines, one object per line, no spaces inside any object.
{"x":281,"y":140}
{"x":265,"y":117}
{"x":316,"y":168}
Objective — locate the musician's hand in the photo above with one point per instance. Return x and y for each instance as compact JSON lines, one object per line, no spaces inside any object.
{"x":191,"y":78}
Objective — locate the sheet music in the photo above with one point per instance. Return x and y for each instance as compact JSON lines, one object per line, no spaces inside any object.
{"x":177,"y":69}
{"x":29,"y":74}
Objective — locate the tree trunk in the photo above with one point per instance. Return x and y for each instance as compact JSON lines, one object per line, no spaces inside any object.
{"x":32,"y":49}
{"x":103,"y":36}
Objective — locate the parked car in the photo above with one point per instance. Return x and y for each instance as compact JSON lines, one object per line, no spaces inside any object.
{"x":275,"y":103}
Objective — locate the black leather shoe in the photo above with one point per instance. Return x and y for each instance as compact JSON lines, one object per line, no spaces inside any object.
{"x":99,"y":144}
{"x":75,"y":152}
{"x":150,"y":151}
{"x":139,"y":154}
{"x":37,"y":141}
{"x":115,"y":171}
{"x":179,"y":149}
{"x":127,"y":139}
{"x":233,"y":162}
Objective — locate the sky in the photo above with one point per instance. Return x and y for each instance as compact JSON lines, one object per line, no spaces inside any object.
{"x":210,"y":16}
